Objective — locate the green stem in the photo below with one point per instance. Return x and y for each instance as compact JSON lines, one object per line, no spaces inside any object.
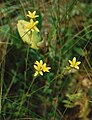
{"x":26,"y":65}
{"x":25,"y":95}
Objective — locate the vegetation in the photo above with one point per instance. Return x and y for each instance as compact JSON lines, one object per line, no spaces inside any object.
{"x":45,"y":59}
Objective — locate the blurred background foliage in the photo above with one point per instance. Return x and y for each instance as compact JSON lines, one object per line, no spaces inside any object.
{"x":66,"y":31}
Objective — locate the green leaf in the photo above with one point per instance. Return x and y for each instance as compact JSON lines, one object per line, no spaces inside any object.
{"x":80,"y":51}
{"x":4,"y":31}
{"x":36,"y":39}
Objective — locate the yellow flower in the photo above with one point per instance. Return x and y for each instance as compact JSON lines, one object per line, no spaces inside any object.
{"x":40,"y":68}
{"x":74,"y":63}
{"x":45,"y":69}
{"x":32,"y":25}
{"x":32,"y":15}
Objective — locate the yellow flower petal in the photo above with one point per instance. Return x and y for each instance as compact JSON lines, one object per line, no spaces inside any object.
{"x":70,"y":61}
{"x":36,"y":29}
{"x":36,"y":73}
{"x":34,"y":12}
{"x":77,"y":67}
{"x":48,"y":68}
{"x":41,"y":73}
{"x":35,"y":67}
{"x":77,"y":63}
{"x":72,"y":65}
{"x":44,"y":65}
{"x":74,"y":60}
{"x":45,"y":69}
{"x":41,"y":62}
{"x":37,"y":63}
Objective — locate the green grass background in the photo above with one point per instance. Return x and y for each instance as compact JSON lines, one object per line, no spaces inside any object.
{"x":66,"y":29}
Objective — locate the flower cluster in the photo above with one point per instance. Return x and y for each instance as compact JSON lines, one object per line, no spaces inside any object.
{"x":40,"y":68}
{"x":31,"y":25}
